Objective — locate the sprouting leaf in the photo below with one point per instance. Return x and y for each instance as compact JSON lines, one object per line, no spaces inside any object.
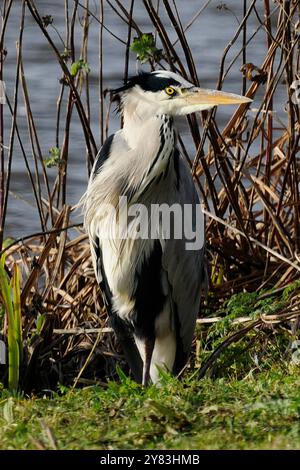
{"x":54,"y":158}
{"x":79,"y":66}
{"x":144,"y":47}
{"x":47,"y":19}
{"x":74,"y":69}
{"x":222,"y":6}
{"x":54,"y":151}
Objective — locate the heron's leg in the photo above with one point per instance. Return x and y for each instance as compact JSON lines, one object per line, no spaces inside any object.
{"x":149,"y":346}
{"x":163,"y":356}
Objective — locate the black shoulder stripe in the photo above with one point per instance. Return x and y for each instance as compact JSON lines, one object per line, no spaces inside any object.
{"x":176,"y":166}
{"x":103,"y":154}
{"x":162,"y":144}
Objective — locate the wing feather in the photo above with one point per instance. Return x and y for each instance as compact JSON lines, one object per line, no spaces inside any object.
{"x":186,"y":270}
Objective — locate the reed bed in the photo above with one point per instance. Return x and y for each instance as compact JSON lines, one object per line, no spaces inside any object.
{"x":247,"y":174}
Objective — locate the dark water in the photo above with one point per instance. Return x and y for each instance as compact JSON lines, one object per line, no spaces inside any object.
{"x":207,"y":38}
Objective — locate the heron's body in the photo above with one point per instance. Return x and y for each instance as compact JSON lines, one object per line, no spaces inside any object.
{"x":152,"y":283}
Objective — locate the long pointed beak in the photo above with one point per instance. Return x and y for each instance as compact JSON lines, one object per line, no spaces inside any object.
{"x":211,"y":98}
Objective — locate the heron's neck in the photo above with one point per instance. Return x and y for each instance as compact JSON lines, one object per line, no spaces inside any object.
{"x":142,"y":125}
{"x":152,"y":138}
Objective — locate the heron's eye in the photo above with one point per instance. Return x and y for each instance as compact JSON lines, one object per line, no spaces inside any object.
{"x":170,"y":91}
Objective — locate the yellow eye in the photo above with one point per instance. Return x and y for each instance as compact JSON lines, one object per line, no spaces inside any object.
{"x":169,"y":90}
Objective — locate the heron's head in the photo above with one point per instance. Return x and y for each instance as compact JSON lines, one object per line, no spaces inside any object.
{"x":164,"y":92}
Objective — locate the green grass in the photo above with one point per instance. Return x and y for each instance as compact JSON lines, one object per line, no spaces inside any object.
{"x":258,"y":412}
{"x":252,"y":403}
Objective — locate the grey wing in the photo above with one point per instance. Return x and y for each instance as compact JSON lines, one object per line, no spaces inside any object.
{"x":121,"y":329}
{"x":186,"y":268}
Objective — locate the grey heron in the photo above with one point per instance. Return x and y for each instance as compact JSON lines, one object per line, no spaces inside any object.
{"x":151,"y":282}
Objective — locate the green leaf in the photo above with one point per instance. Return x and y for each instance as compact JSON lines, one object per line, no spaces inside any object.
{"x":16,"y":291}
{"x":13,"y":328}
{"x":79,"y":66}
{"x":54,"y":158}
{"x":54,"y":151}
{"x":74,"y":69}
{"x":6,"y":291}
{"x":144,"y":47}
